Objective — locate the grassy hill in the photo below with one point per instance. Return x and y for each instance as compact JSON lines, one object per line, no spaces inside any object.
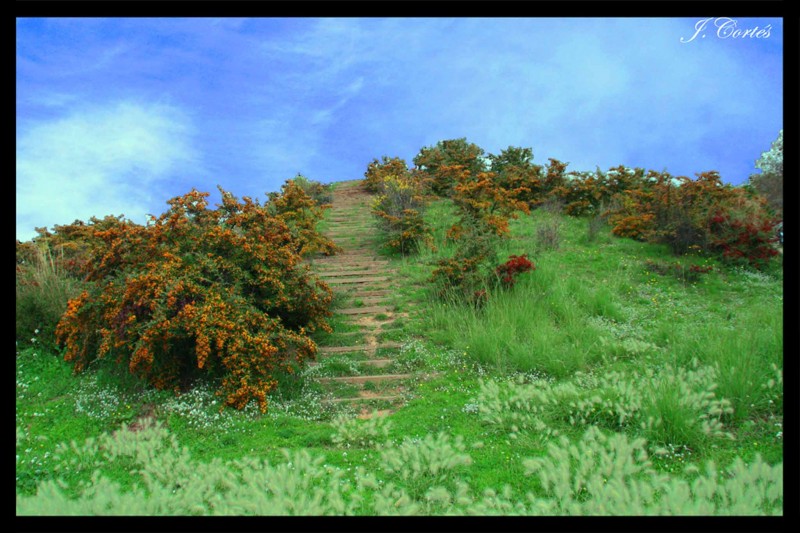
{"x":606,"y":381}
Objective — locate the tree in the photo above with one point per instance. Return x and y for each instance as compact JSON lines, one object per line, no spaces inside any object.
{"x":769,"y":183}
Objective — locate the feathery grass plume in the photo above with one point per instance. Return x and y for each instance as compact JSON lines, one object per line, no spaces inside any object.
{"x":353,"y":432}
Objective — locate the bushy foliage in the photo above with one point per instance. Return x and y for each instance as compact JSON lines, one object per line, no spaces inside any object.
{"x":507,"y":272}
{"x":317,"y":191}
{"x":431,"y":160}
{"x":701,"y":214}
{"x":583,"y":193}
{"x":514,"y":171}
{"x":399,"y":208}
{"x":379,"y":170}
{"x":769,"y":183}
{"x":301,"y":213}
{"x":744,"y":233}
{"x":484,"y":209}
{"x":481,"y":201}
{"x":467,"y":275}
{"x":217,"y":291}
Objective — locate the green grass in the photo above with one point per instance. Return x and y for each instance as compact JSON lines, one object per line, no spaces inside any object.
{"x":589,"y":338}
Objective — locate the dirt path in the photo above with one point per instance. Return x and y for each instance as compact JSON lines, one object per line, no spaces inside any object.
{"x":365,"y":283}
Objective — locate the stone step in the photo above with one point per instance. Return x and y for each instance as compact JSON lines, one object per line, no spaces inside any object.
{"x":387,"y":398}
{"x":378,"y":363}
{"x":350,"y":273}
{"x":371,"y":300}
{"x":362,"y":280}
{"x":360,"y":348}
{"x":354,"y":267}
{"x":355,"y":291}
{"x":371,"y":310}
{"x":366,"y":379}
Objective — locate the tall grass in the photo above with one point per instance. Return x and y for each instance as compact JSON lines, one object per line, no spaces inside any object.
{"x":536,"y":326}
{"x":42,"y":292}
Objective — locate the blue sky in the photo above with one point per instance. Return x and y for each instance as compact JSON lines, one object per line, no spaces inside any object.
{"x":116,"y":115}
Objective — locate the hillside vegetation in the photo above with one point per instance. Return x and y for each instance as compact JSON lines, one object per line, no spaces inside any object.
{"x":605,"y":343}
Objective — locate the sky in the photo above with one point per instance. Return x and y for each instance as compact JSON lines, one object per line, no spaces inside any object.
{"x":115,"y":116}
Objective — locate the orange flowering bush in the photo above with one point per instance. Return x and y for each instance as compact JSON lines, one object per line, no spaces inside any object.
{"x":453,"y":152}
{"x":515,"y":172}
{"x":301,"y":213}
{"x":221,"y":292}
{"x":378,"y":171}
{"x":485,"y":208}
{"x":50,"y":270}
{"x":584,"y":193}
{"x":700,"y":214}
{"x":481,"y":201}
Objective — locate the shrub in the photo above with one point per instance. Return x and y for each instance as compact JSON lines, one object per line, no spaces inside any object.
{"x":378,"y":171}
{"x":515,"y":172}
{"x":400,"y":208}
{"x":481,"y":202}
{"x":465,"y":276}
{"x":219,"y":291}
{"x":449,"y":153}
{"x":744,"y":233}
{"x":701,"y":214}
{"x":319,"y":192}
{"x":769,"y":183}
{"x":515,"y":265}
{"x":484,"y":210}
{"x":301,"y":213}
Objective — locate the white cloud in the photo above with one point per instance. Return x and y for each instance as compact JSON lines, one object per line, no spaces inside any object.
{"x":100,"y":161}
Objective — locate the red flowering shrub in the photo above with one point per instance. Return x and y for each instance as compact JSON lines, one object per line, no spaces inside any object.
{"x":701,"y":214}
{"x":515,"y":265}
{"x":744,"y":233}
{"x":217,"y":291}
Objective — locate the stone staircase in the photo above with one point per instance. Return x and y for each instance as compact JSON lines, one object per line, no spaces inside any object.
{"x":360,"y":371}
